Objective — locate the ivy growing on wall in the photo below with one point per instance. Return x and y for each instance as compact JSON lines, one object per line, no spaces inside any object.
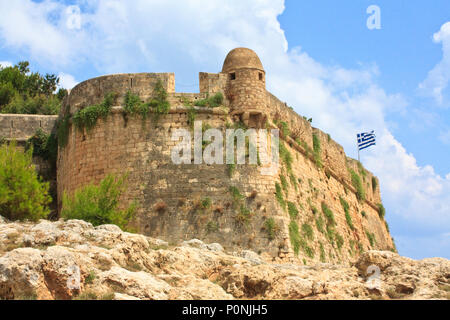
{"x":86,"y":118}
{"x":44,"y":145}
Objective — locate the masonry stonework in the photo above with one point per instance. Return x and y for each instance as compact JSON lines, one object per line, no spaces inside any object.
{"x":171,"y":197}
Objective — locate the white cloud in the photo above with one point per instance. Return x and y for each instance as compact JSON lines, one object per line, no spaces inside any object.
{"x":66,"y":81}
{"x":192,"y":36}
{"x":439,"y":77}
{"x":5,"y":64}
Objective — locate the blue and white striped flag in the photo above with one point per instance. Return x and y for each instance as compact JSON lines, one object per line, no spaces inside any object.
{"x":365,"y":140}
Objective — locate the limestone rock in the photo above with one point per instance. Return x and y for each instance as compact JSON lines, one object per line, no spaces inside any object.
{"x":74,"y":260}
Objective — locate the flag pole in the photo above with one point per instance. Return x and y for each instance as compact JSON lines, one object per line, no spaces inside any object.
{"x":357,"y":147}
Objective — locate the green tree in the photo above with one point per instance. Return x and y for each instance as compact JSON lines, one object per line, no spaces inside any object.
{"x":22,"y":91}
{"x":23,"y":196}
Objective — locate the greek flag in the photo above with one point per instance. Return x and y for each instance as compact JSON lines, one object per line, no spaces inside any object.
{"x":365,"y":140}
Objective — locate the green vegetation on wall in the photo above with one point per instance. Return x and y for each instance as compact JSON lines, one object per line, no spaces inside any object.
{"x":317,"y":150}
{"x":44,"y":145}
{"x":271,"y":228}
{"x":279,"y":195}
{"x":381,"y":210}
{"x":292,"y":210}
{"x":357,"y":184}
{"x":286,"y":157}
{"x":211,"y":102}
{"x":371,"y":237}
{"x":86,"y":118}
{"x":374,"y":184}
{"x":297,"y":241}
{"x":308,"y":231}
{"x":346,"y":208}
{"x":328,"y":214}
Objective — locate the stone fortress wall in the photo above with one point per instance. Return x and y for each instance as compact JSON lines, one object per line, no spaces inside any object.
{"x":171,"y":197}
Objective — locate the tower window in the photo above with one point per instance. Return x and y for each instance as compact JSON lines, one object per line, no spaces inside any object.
{"x":260,"y":76}
{"x":232,"y":76}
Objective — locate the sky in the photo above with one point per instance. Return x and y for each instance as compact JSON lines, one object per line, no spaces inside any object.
{"x":319,"y":56}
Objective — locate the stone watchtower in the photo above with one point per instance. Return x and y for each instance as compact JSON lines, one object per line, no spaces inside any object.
{"x":246,"y":86}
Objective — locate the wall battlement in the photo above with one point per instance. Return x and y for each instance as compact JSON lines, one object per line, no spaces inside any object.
{"x":22,"y":126}
{"x":284,"y":216}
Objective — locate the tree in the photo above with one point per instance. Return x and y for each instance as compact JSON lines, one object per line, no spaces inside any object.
{"x":23,"y":196}
{"x":22,"y":91}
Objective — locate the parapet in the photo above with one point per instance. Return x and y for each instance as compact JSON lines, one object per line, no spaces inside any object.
{"x":93,"y":91}
{"x":22,"y":126}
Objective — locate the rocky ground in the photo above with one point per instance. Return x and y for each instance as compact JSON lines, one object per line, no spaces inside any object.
{"x":74,"y":260}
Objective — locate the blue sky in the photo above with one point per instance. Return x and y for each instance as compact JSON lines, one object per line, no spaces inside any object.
{"x":319,"y":57}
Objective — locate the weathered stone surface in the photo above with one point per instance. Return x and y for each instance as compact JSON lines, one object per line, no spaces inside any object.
{"x":104,"y":262}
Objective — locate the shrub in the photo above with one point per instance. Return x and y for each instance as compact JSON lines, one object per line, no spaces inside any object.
{"x":339,"y":240}
{"x":322,"y":253}
{"x":346,"y":207}
{"x":253,"y":194}
{"x":98,"y":204}
{"x":160,"y":206}
{"x":23,"y":196}
{"x":286,"y":157}
{"x":44,"y":146}
{"x":363,"y":213}
{"x":357,"y":184}
{"x":87,"y":117}
{"x":191,"y":115}
{"x":284,"y":184}
{"x":361,"y":170}
{"x":330,"y":233}
{"x":319,"y":224}
{"x":308,"y":231}
{"x":212,"y":226}
{"x":271,"y":227}
{"x":374,"y":184}
{"x":158,"y":103}
{"x":284,"y":127}
{"x":211,"y":102}
{"x":371,"y":238}
{"x":235,"y":194}
{"x":317,"y":150}
{"x":294,"y":236}
{"x":206,"y":203}
{"x":292,"y":210}
{"x":279,"y":195}
{"x":293,"y":181}
{"x":244,"y":215}
{"x":381,"y":210}
{"x":134,"y":105}
{"x":90,"y":277}
{"x":328,"y":214}
{"x":231,"y":167}
{"x":297,"y":241}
